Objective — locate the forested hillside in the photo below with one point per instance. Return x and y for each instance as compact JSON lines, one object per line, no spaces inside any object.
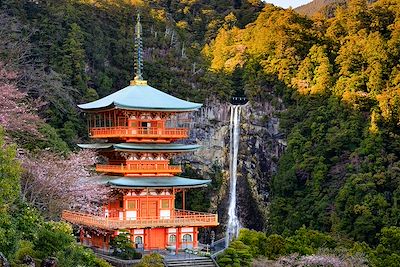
{"x":339,"y":172}
{"x":85,"y":49}
{"x":338,"y":182}
{"x":57,"y":54}
{"x":339,"y":80}
{"x":317,"y":6}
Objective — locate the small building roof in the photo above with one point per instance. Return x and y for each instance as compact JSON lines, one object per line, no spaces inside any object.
{"x":141,"y":97}
{"x":153,"y":182}
{"x":141,"y":147}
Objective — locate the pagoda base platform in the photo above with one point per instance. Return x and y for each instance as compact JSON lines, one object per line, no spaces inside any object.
{"x":179,"y":218}
{"x":147,"y":239}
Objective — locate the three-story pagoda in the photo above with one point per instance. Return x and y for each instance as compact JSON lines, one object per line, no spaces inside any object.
{"x":135,"y":122}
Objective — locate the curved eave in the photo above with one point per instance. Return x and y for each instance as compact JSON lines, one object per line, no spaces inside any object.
{"x":96,"y":146}
{"x":153,"y":182}
{"x":128,"y":147}
{"x":140,"y":97}
{"x":124,"y":107}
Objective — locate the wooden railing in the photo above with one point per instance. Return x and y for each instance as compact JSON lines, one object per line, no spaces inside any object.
{"x":139,"y":168}
{"x":179,"y":218}
{"x":140,"y":132}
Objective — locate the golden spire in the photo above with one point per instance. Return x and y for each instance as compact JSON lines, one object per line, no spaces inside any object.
{"x":138,"y":80}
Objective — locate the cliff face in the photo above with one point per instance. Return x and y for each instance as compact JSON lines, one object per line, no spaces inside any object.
{"x":260,"y":147}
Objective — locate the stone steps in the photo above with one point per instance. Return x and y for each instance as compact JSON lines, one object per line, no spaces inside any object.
{"x":198,"y":262}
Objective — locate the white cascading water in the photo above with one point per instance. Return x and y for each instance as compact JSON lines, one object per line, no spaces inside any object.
{"x":233,"y":226}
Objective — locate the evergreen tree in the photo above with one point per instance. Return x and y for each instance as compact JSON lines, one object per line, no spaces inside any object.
{"x":73,"y":60}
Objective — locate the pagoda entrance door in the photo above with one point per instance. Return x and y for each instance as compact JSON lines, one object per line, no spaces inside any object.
{"x":156,"y":238}
{"x":146,"y":127}
{"x":149,"y":208}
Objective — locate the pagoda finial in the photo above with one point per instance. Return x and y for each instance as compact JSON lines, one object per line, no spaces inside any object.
{"x":138,"y":80}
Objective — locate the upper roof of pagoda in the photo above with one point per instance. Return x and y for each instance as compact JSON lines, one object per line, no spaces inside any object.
{"x":141,"y":97}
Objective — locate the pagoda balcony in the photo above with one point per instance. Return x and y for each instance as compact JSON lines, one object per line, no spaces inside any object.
{"x":180,"y":218}
{"x":139,"y":169}
{"x":138,"y":133}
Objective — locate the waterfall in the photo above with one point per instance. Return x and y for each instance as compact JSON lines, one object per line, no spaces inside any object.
{"x":233,"y":226}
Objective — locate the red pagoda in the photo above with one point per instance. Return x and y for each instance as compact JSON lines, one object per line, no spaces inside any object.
{"x":136,"y":124}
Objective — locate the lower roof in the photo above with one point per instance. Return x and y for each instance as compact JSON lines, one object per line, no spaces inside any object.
{"x":153,"y":182}
{"x":141,"y":147}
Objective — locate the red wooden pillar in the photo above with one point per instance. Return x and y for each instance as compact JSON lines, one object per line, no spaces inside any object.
{"x":166,"y":236}
{"x":195,"y":236}
{"x":146,"y":240}
{"x":124,"y":207}
{"x":178,"y":239}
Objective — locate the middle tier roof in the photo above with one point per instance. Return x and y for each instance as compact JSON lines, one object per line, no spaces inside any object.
{"x":132,"y":147}
{"x":152,"y":181}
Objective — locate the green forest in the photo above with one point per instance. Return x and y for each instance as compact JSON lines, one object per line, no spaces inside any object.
{"x":336,"y":74}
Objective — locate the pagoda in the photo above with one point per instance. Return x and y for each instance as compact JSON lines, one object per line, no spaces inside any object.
{"x":134,"y":126}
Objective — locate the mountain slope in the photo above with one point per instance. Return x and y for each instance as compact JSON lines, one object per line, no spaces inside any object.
{"x":316,"y":6}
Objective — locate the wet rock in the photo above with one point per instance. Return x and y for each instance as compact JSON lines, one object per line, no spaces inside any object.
{"x":28,"y":261}
{"x":49,"y":262}
{"x":3,"y":261}
{"x":261,"y":145}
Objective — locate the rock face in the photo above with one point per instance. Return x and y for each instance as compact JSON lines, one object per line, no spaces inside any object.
{"x":3,"y":261}
{"x":259,"y":149}
{"x":28,"y":261}
{"x":49,"y":262}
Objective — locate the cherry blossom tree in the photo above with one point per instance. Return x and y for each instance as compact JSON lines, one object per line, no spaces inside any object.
{"x":53,"y":183}
{"x":319,"y":259}
{"x":16,"y":114}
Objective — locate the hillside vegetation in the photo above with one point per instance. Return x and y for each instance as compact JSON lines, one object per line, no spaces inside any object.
{"x":317,"y":6}
{"x":340,"y":81}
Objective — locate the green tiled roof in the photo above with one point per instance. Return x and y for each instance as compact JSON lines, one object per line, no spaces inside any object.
{"x":154,"y":182}
{"x":140,"y":97}
{"x":141,"y":147}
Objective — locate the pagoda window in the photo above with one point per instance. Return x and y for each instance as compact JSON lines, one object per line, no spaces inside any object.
{"x":97,"y":120}
{"x":122,"y":121}
{"x":165,"y":203}
{"x":121,"y":203}
{"x":139,"y":240}
{"x":131,"y":204}
{"x":172,"y":239}
{"x":187,"y":238}
{"x":145,"y":124}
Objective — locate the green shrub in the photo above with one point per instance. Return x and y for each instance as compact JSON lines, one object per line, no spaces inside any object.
{"x":236,"y":255}
{"x":307,"y":242}
{"x":275,"y":246}
{"x":152,"y":260}
{"x":123,"y":247}
{"x":25,"y":248}
{"x":255,"y":240}
{"x":77,"y":255}
{"x":53,"y":237}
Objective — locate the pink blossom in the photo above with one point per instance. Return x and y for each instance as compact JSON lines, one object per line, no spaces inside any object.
{"x":320,"y":259}
{"x":53,"y":183}
{"x":16,"y":114}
